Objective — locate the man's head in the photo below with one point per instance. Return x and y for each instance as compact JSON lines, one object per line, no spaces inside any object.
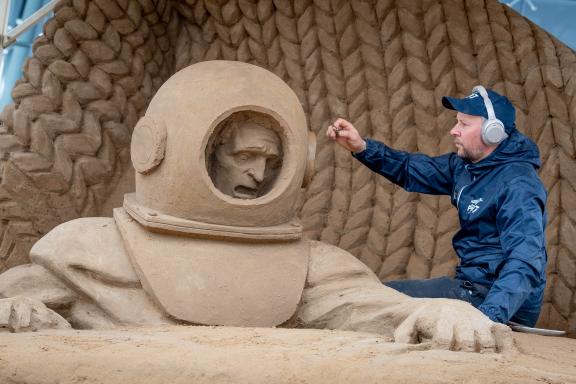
{"x":467,"y":137}
{"x":475,"y":137}
{"x":246,"y":160}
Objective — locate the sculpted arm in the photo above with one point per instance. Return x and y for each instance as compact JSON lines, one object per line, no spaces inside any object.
{"x":342,"y":293}
{"x":80,"y":270}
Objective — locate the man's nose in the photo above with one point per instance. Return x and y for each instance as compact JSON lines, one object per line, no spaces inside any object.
{"x":455,"y":131}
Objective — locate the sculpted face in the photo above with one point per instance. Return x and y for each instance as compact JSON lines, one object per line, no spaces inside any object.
{"x":246,"y":160}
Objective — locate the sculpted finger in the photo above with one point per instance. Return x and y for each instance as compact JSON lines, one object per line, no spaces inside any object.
{"x":44,"y":318}
{"x":443,"y":335}
{"x":20,"y":315}
{"x":58,"y":321}
{"x":5,"y":310}
{"x":504,"y":338}
{"x":406,"y":332}
{"x":484,"y":340}
{"x":464,"y":337}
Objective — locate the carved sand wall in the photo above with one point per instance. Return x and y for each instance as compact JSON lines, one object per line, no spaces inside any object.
{"x":384,"y":64}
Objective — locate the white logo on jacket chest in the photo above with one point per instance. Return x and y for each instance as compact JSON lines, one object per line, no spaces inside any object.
{"x":474,"y":205}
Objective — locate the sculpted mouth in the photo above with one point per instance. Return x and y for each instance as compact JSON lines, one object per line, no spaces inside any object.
{"x":243,"y":192}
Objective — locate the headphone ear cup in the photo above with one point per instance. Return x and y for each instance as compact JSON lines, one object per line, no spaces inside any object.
{"x":493,"y":132}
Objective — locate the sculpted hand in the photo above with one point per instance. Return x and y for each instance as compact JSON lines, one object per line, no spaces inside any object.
{"x":451,"y":324}
{"x":21,"y":314}
{"x":344,"y":133}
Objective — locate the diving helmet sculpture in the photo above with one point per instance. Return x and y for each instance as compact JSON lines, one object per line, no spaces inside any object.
{"x":210,"y":236}
{"x":221,"y":156}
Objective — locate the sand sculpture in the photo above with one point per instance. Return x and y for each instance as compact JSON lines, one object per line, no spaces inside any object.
{"x":383,"y":64}
{"x":210,"y":236}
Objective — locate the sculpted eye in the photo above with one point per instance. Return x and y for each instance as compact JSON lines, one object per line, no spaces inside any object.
{"x":243,"y":156}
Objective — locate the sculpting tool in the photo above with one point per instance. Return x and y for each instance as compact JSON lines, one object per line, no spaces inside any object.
{"x":536,"y":331}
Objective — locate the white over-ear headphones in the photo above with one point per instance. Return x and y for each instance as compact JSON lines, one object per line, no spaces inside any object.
{"x":493,"y":132}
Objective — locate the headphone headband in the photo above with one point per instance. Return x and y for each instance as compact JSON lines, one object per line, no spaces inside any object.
{"x":493,"y":131}
{"x":487,"y":102}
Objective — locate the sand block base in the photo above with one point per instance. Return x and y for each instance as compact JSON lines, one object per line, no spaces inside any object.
{"x":260,"y":355}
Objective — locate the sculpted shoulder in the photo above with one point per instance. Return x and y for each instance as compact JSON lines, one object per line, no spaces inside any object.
{"x":329,"y":262}
{"x":89,"y":244}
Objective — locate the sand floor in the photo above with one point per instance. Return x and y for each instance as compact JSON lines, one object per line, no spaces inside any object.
{"x":256,"y":355}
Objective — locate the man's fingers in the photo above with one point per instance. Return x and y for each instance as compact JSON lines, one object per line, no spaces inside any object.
{"x":333,"y":131}
{"x":330,"y":131}
{"x":342,"y":124}
{"x":343,"y":134}
{"x":338,"y":126}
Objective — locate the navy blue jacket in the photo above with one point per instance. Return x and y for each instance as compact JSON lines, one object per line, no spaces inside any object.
{"x":501,"y":204}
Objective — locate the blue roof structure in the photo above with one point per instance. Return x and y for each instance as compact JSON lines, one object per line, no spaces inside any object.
{"x":556,"y":17}
{"x":14,"y":56}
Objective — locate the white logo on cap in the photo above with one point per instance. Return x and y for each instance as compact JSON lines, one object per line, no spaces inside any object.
{"x":472,"y":96}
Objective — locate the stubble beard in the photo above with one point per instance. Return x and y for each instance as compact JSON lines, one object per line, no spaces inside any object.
{"x":472,"y":155}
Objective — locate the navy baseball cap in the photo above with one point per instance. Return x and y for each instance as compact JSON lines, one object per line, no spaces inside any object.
{"x":473,"y":104}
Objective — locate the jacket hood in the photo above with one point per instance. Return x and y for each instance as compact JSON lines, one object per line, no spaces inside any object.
{"x":516,"y":148}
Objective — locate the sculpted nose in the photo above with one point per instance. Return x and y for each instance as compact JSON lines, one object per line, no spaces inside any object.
{"x":257,"y":171}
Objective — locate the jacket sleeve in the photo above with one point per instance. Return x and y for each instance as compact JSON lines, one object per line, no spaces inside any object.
{"x":414,"y":172}
{"x":520,"y":221}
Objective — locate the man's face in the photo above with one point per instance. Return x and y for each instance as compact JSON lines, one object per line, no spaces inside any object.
{"x":467,"y":135}
{"x":248,"y":161}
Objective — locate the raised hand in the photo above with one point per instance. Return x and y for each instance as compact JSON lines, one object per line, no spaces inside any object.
{"x":346,"y":135}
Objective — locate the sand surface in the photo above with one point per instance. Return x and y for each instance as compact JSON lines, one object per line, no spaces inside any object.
{"x":256,"y":355}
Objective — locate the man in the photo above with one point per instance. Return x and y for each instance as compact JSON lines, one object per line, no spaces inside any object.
{"x":500,"y":199}
{"x":211,"y":235}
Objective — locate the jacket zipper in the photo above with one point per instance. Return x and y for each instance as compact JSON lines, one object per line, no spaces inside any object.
{"x":458,"y":198}
{"x":461,"y":189}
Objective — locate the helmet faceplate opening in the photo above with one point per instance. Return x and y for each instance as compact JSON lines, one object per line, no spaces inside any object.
{"x":244,"y":155}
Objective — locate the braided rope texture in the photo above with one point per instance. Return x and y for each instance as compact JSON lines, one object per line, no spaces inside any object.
{"x":383,"y":64}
